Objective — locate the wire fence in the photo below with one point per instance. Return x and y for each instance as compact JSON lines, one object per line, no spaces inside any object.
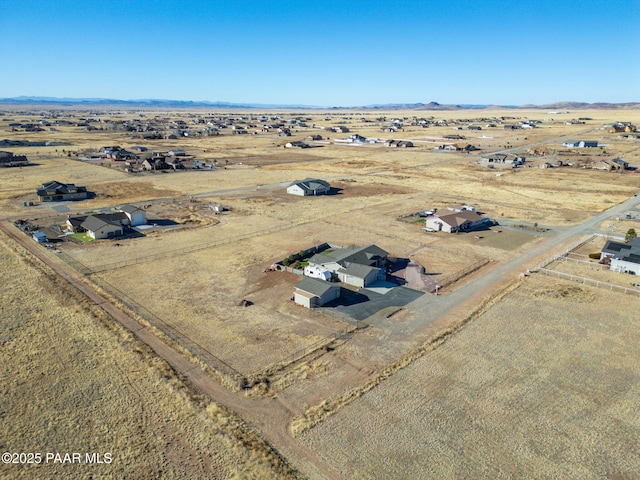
{"x":590,"y":281}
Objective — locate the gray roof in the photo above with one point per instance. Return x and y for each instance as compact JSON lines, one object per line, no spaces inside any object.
{"x":94,"y":222}
{"x":129,"y":208}
{"x":357,"y":270}
{"x":54,"y":187}
{"x":369,"y":255}
{"x":311,"y":184}
{"x":315,"y":286}
{"x":628,"y":252}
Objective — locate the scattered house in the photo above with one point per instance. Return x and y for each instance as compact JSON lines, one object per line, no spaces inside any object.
{"x":474,"y":127}
{"x":457,"y":147}
{"x":355,"y":138}
{"x":97,"y":227}
{"x":502,"y":159}
{"x":311,"y":292}
{"x":40,"y":237}
{"x":455,"y":222}
{"x":453,"y":137}
{"x":136,"y":215}
{"x":607,"y":166}
{"x":398,"y":143}
{"x":622,"y":257}
{"x":121,"y":155}
{"x":340,"y":129}
{"x":580,"y":144}
{"x":296,"y":144}
{"x":309,"y":187}
{"x":155,"y":163}
{"x":618,"y":161}
{"x":314,"y":138}
{"x":357,"y":266}
{"x":55,"y":191}
{"x":8,"y":159}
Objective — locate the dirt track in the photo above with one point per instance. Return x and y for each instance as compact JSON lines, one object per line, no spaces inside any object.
{"x":269,"y":417}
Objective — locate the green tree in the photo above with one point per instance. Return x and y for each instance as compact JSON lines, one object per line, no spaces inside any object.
{"x":631,"y":234}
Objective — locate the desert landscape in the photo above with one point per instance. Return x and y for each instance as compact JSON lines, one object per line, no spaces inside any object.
{"x":180,"y":344}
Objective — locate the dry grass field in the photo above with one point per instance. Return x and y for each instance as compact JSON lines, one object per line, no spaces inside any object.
{"x":543,"y":385}
{"x":72,"y":382}
{"x":539,"y":386}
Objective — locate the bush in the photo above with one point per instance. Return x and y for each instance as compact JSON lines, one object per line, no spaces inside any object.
{"x":595,"y":256}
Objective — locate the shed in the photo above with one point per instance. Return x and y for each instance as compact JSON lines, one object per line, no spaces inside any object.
{"x":312,"y":292}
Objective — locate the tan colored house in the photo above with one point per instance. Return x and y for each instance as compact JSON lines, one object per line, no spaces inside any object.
{"x":455,"y":222}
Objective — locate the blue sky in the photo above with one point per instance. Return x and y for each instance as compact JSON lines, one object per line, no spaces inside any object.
{"x":324,"y":53}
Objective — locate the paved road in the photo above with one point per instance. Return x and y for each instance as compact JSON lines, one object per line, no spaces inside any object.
{"x":431,"y":307}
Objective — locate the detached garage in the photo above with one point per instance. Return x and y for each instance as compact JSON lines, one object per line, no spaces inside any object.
{"x":311,"y":292}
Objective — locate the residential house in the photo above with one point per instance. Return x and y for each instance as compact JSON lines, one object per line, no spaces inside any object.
{"x":296,"y":144}
{"x":622,"y":257}
{"x":98,"y":228}
{"x":398,"y":143}
{"x":136,"y":216}
{"x":580,"y":144}
{"x":455,"y":222}
{"x":55,"y":191}
{"x":312,"y":292}
{"x":8,"y":159}
{"x":357,"y":266}
{"x":309,"y":187}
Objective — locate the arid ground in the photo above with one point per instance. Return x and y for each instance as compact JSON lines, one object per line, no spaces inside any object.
{"x":498,"y":376}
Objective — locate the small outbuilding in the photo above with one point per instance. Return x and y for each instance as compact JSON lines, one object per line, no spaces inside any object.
{"x":312,"y":292}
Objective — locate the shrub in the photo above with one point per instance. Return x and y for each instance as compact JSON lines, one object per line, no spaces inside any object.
{"x":595,"y":256}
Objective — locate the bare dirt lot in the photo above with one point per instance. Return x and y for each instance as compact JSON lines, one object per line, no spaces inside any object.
{"x":73,"y":382}
{"x":540,"y":385}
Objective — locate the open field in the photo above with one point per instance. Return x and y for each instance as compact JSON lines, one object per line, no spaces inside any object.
{"x":539,"y":386}
{"x":73,"y":382}
{"x":491,"y":402}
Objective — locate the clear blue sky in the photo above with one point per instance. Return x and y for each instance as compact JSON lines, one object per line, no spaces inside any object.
{"x":325,"y":53}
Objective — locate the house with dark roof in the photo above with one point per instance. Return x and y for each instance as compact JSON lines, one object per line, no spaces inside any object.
{"x":308,"y":187}
{"x":455,"y":222}
{"x":357,"y":266}
{"x":622,"y":257}
{"x":580,"y":144}
{"x":55,"y":191}
{"x":312,"y":292}
{"x":8,"y":159}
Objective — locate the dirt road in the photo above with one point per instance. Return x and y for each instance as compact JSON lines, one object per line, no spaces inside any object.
{"x":268,"y":416}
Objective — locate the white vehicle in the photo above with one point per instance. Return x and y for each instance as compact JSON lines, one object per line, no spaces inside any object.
{"x":317,"y":272}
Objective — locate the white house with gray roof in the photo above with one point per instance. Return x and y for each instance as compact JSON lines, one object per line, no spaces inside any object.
{"x":623,"y":257}
{"x":308,"y":187}
{"x":357,"y":266}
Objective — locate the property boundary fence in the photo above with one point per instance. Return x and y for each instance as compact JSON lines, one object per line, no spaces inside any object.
{"x":343,"y":334}
{"x":454,"y":277}
{"x":174,"y":334}
{"x":565,"y":253}
{"x":590,"y":281}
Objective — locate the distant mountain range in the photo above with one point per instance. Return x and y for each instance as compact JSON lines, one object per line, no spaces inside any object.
{"x":156,"y":103}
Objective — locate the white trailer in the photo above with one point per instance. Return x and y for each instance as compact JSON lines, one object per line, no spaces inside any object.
{"x":317,"y":272}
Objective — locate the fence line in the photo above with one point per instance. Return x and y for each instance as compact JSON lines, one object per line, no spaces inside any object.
{"x":454,"y":277}
{"x":565,"y":253}
{"x":590,"y":281}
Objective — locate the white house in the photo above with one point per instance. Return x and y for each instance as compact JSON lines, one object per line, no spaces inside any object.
{"x":309,"y":186}
{"x":136,"y":215}
{"x":623,"y":257}
{"x":357,"y":266}
{"x":454,"y":222}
